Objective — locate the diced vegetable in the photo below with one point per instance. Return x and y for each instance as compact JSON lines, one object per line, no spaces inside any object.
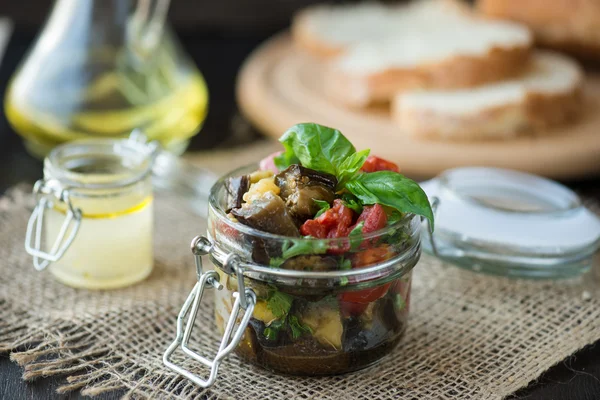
{"x":236,"y":187}
{"x":326,"y":325}
{"x":260,"y":188}
{"x":279,"y":303}
{"x":374,"y":218}
{"x":260,"y":174}
{"x":354,"y":302}
{"x":267,"y":214}
{"x":371,"y":256}
{"x":333,"y":223}
{"x":301,"y":186}
{"x":366,"y":296}
{"x":263,"y":313}
{"x":374,"y":163}
{"x":311,"y":263}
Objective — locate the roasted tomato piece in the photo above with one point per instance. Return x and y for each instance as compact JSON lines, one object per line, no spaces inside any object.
{"x":371,"y":256}
{"x":373,"y":218}
{"x":374,"y":164}
{"x":333,"y":223}
{"x":354,"y":303}
{"x":365,"y":296}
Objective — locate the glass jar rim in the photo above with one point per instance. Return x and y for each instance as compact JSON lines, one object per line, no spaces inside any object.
{"x":218,"y":211}
{"x":561,"y":198}
{"x":136,"y":158}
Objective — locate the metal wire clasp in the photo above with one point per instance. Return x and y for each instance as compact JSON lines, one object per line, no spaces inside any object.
{"x":48,"y":192}
{"x":231,"y":337}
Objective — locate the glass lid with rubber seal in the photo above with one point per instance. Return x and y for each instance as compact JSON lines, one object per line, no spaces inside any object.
{"x":510,"y":223}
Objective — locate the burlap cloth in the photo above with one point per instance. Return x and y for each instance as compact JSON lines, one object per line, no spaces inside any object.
{"x":470,"y":336}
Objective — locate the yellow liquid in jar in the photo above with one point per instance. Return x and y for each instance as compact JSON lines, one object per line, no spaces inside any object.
{"x":110,"y":250}
{"x":70,"y":101}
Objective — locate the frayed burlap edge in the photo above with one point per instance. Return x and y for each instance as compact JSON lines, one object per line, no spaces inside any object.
{"x":94,"y":345}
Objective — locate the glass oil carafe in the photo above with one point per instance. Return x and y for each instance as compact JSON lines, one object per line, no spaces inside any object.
{"x":101,"y":68}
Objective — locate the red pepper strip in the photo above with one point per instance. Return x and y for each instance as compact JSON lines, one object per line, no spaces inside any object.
{"x":374,"y":164}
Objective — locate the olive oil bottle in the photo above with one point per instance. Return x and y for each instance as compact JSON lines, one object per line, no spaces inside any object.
{"x":101,"y":68}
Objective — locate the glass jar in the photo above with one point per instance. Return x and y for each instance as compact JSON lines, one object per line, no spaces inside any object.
{"x":101,"y":68}
{"x":93,"y":221}
{"x":511,"y":223}
{"x":331,"y":306}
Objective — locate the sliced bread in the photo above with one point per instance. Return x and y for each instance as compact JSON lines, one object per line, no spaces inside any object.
{"x":377,"y":50}
{"x":547,"y":94}
{"x":569,"y":25}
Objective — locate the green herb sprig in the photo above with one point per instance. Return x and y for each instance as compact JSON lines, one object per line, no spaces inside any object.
{"x":327,"y":150}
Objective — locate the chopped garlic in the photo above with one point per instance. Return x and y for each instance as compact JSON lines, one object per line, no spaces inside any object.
{"x":258,"y":189}
{"x":258,"y":175}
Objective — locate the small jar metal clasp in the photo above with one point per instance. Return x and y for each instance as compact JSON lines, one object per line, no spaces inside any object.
{"x":50,"y":193}
{"x":231,"y":337}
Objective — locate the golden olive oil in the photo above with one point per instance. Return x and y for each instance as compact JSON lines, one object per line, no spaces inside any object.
{"x":107,"y":94}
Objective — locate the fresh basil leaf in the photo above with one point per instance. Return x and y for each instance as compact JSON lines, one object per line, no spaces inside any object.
{"x":350,"y":201}
{"x":350,"y":166}
{"x":399,"y":302}
{"x":345,"y":264}
{"x":391,"y":189}
{"x":276,"y":262}
{"x":316,"y":146}
{"x":356,"y":236}
{"x":324,"y":206}
{"x":279,"y":303}
{"x":294,"y":247}
{"x":286,"y":158}
{"x":299,"y":247}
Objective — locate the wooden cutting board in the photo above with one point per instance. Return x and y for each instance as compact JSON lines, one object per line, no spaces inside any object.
{"x":279,"y":87}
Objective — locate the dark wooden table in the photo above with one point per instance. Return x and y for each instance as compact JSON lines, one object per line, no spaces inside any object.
{"x":219,"y":56}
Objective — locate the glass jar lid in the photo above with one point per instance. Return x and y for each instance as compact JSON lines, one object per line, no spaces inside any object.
{"x":510,"y":223}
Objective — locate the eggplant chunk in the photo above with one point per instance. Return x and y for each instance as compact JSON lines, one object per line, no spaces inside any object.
{"x":326,"y":325}
{"x":311,"y":263}
{"x":267,"y":214}
{"x":301,"y":186}
{"x":236,"y":187}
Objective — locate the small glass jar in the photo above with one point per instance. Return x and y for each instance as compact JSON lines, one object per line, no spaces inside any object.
{"x":511,"y":223}
{"x":336,"y":306}
{"x":93,"y":222}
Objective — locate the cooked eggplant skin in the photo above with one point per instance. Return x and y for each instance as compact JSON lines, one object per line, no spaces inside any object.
{"x":311,"y":263}
{"x":236,"y":187}
{"x":301,"y":186}
{"x":267,"y":214}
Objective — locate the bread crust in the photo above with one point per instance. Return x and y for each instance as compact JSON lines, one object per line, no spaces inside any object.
{"x":568,"y":25}
{"x":361,"y":90}
{"x":306,"y":41}
{"x":534,"y":115}
{"x":454,"y":73}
